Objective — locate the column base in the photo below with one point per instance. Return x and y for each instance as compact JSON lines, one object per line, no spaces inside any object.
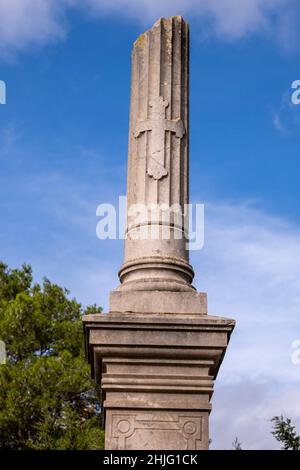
{"x":156,"y":373}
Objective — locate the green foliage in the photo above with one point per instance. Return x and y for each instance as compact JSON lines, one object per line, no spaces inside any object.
{"x":47,"y":398}
{"x":284,"y":432}
{"x":236,"y":444}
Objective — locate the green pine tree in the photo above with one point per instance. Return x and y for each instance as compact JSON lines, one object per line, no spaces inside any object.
{"x":284,"y":432}
{"x":47,"y":398}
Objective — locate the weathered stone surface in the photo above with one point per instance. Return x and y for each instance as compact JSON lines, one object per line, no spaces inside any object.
{"x":158,"y":302}
{"x":156,"y":373}
{"x":158,"y":430}
{"x":158,"y":158}
{"x":157,"y":352}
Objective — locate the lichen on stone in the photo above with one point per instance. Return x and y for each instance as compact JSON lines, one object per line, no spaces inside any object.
{"x":140,"y":40}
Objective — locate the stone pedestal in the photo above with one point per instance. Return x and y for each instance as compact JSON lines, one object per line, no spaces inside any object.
{"x":156,"y":374}
{"x":157,"y":352}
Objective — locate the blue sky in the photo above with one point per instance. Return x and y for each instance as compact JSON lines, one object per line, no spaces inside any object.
{"x":63,"y":151}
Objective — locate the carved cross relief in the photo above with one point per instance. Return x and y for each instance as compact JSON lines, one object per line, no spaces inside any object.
{"x":157,"y":124}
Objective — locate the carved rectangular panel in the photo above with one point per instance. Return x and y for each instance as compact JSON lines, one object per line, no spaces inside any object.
{"x":156,"y":430}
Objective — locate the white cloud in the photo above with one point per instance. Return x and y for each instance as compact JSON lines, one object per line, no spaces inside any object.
{"x":25,"y":23}
{"x":227,"y":18}
{"x":250,"y":268}
{"x":245,"y":411}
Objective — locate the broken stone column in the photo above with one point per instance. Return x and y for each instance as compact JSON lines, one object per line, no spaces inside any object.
{"x":157,"y":352}
{"x":158,"y":160}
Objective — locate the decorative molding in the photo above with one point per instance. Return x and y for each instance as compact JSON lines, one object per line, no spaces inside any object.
{"x":185,"y":430}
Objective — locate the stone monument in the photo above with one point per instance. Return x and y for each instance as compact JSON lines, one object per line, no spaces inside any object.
{"x":157,"y":352}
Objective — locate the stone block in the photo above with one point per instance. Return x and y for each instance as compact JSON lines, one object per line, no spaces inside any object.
{"x":158,"y":302}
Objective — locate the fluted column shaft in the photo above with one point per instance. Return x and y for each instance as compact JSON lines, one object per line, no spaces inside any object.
{"x":156,"y":257}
